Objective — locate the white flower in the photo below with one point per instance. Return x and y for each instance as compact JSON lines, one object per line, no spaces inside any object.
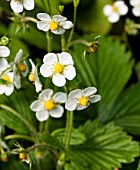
{"x":57,"y":24}
{"x":59,"y":67}
{"x":47,"y":104}
{"x":81,"y":99}
{"x":6,"y":78}
{"x":136,"y":7}
{"x":113,"y":12}
{"x":17,"y":5}
{"x":4,"y":51}
{"x":20,"y":68}
{"x":34,"y":77}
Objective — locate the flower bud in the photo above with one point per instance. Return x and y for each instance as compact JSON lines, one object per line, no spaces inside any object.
{"x":4,"y":40}
{"x":76,"y":2}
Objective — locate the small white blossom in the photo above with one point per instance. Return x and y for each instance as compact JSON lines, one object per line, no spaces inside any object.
{"x":57,"y":24}
{"x":136,"y":7}
{"x":81,"y":99}
{"x":4,"y":51}
{"x":17,"y":5}
{"x":20,"y":68}
{"x":59,"y":67}
{"x":6,"y":78}
{"x":34,"y":77}
{"x":113,"y":12}
{"x":47,"y":104}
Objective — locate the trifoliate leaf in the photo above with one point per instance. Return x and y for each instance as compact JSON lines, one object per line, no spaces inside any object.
{"x":106,"y":148}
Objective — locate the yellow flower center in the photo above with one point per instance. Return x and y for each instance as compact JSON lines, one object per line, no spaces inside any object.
{"x":22,"y":155}
{"x":83,"y":101}
{"x":58,"y":68}
{"x":6,"y":78}
{"x":31,"y":77}
{"x":49,"y":105}
{"x":53,"y":25}
{"x":22,"y":67}
{"x":114,"y":8}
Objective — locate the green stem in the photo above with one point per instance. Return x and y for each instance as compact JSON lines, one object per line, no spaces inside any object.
{"x":79,"y":41}
{"x":74,"y":22}
{"x":69,"y":124}
{"x":49,"y":5}
{"x":68,"y":130}
{"x":15,"y":136}
{"x":25,"y":19}
{"x":49,"y":41}
{"x":63,"y":43}
{"x":32,"y":129}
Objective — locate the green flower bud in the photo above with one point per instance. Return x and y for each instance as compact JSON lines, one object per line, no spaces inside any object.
{"x":76,"y":2}
{"x":61,"y":8}
{"x":4,"y":40}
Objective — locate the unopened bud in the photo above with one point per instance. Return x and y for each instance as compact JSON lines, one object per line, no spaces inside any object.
{"x":76,"y":2}
{"x":4,"y":40}
{"x":61,"y":8}
{"x":4,"y":157}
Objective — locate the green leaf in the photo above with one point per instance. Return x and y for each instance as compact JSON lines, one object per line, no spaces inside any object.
{"x":106,"y":147}
{"x":93,"y":19}
{"x":109,"y":70}
{"x":126,"y":109}
{"x":76,"y":137}
{"x":51,"y":141}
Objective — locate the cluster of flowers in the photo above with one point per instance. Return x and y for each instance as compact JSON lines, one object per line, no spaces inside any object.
{"x":118,"y":8}
{"x":59,"y":67}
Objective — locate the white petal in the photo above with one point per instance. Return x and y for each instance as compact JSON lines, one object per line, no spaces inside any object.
{"x":42,"y":115}
{"x":123,"y":9}
{"x":43,"y":25}
{"x":59,"y":80}
{"x":95,"y":98}
{"x":114,"y":17}
{"x":9,"y":89}
{"x":136,"y":11}
{"x":89,"y":91}
{"x":69,"y":72}
{"x":134,"y":2}
{"x":17,"y":81}
{"x":46,"y":70}
{"x":75,"y":94}
{"x":107,"y":10}
{"x":16,"y":6}
{"x":59,"y":97}
{"x":44,"y":17}
{"x":57,"y":112}
{"x":65,"y":58}
{"x":71,"y":104}
{"x":18,"y":57}
{"x":3,"y":65}
{"x":28,"y":4}
{"x":24,"y":74}
{"x":66,"y":24}
{"x":37,"y":105}
{"x":59,"y":18}
{"x":50,"y":58}
{"x":10,"y":74}
{"x":119,"y":3}
{"x":2,"y":89}
{"x":4,"y":51}
{"x":80,"y":107}
{"x":38,"y":86}
{"x":46,"y":94}
{"x":59,"y":31}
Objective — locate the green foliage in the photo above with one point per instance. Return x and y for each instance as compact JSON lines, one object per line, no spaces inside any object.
{"x":76,"y":137}
{"x":100,"y":150}
{"x":93,"y":11}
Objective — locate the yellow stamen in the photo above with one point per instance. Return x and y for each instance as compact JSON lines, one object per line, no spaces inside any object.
{"x":53,"y":25}
{"x":49,"y":105}
{"x":22,"y":155}
{"x":22,"y":67}
{"x":6,"y":78}
{"x":114,"y":8}
{"x":31,"y":77}
{"x":83,"y":101}
{"x":58,"y":68}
